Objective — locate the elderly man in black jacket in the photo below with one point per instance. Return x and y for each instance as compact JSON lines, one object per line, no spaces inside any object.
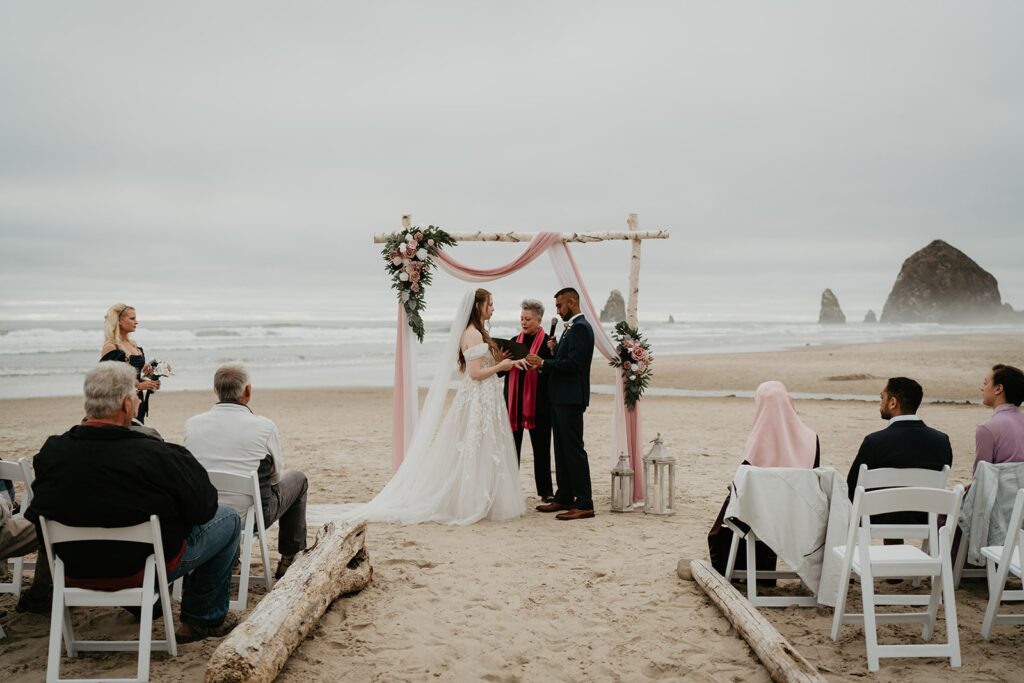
{"x":101,"y":473}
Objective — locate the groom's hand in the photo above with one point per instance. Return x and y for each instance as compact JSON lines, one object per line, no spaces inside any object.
{"x":534,"y":360}
{"x":552,"y":344}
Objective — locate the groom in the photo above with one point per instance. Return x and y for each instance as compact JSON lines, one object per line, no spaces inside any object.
{"x":569,"y":388}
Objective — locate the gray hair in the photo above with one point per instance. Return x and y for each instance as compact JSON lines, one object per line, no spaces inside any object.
{"x":106,"y":387}
{"x":534,"y":306}
{"x":230,"y":381}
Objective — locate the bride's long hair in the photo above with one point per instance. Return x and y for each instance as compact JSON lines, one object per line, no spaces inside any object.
{"x":475,"y":320}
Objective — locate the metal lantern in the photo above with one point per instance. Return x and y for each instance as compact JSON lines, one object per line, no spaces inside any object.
{"x":622,"y":486}
{"x":659,"y":480}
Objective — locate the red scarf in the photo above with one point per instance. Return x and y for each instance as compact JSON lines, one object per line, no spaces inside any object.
{"x":529,"y":389}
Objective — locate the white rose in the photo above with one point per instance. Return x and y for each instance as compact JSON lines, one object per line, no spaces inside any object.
{"x":408,"y":237}
{"x":632,"y":378}
{"x":421,"y":254}
{"x":397,"y":260}
{"x":406,"y":262}
{"x":403,"y":276}
{"x":405,"y":296}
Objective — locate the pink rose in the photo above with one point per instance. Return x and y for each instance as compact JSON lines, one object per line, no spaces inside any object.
{"x":415,"y":286}
{"x":414,"y":276}
{"x":418,"y":236}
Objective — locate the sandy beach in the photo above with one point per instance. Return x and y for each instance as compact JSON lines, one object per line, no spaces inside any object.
{"x":538,"y":599}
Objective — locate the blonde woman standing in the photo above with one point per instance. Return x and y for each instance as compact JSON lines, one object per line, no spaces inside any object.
{"x":118,"y":345}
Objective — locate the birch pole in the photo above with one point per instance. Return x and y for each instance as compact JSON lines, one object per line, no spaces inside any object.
{"x":634,"y":273}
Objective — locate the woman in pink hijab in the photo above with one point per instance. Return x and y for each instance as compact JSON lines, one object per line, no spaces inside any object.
{"x":777,"y":439}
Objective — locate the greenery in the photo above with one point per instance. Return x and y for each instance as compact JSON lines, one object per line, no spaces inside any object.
{"x":408,"y":256}
{"x":634,"y":361}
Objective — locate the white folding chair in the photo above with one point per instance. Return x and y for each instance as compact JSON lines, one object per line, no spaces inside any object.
{"x":872,"y":562}
{"x":17,"y":471}
{"x":894,"y":477}
{"x":1001,"y":561}
{"x":753,"y":574}
{"x":249,"y":486}
{"x":154,"y":587}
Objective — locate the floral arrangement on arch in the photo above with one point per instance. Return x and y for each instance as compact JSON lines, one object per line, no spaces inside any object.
{"x":407,"y":255}
{"x":634,"y":360}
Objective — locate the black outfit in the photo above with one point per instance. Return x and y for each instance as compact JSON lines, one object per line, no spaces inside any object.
{"x":113,"y":476}
{"x":720,"y":540}
{"x":138,"y":362}
{"x":569,"y":389}
{"x":903,"y":444}
{"x":540,"y":435}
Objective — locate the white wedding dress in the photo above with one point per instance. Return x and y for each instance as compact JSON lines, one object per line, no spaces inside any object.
{"x":464,"y":472}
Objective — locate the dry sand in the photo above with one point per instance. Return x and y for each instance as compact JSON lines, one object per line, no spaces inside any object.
{"x":538,"y":599}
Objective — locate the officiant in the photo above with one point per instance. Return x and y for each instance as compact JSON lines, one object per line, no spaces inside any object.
{"x":526,"y":395}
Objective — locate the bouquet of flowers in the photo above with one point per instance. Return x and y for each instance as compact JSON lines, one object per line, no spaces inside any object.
{"x":634,"y":359}
{"x":158,"y":369}
{"x":407,"y":256}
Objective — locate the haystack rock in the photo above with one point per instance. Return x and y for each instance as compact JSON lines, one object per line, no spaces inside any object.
{"x":869,"y":317}
{"x":941,"y":284}
{"x":830,"y":313}
{"x":614,"y":310}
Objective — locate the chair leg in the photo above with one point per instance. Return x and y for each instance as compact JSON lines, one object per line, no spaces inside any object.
{"x":244,"y":561}
{"x":934,"y":598}
{"x":176,"y":588}
{"x":165,"y":601}
{"x":867,"y":585}
{"x":993,"y":573}
{"x":840,"y":610}
{"x":949,"y":598}
{"x":730,"y":565}
{"x":961,"y":560}
{"x":751,"y":568}
{"x":146,"y":620}
{"x":56,"y":627}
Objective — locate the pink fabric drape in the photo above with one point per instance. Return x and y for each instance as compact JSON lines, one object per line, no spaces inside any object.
{"x":625,"y":423}
{"x":541,"y":242}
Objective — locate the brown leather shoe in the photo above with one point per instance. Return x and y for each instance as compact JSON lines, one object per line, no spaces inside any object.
{"x":552,"y":507}
{"x":575,"y":513}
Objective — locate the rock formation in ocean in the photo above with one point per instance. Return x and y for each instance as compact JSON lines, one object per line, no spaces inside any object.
{"x":941,"y":284}
{"x":671,"y":319}
{"x":869,"y":317}
{"x":830,"y":313}
{"x":614,"y":310}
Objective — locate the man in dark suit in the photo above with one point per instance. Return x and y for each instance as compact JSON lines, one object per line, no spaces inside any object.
{"x":568,"y":376}
{"x":906,"y":442}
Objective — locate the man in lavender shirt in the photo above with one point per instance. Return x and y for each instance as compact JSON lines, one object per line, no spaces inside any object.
{"x":1001,"y":437}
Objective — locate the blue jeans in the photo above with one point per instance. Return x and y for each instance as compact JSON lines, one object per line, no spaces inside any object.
{"x":210,"y":551}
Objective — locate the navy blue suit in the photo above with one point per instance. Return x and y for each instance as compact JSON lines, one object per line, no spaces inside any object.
{"x":568,"y":376}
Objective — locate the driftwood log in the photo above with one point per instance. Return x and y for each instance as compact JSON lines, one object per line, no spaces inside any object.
{"x":784,"y":663}
{"x":257,"y":649}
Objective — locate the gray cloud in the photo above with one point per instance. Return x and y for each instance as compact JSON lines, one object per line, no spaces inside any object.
{"x":251,"y":148}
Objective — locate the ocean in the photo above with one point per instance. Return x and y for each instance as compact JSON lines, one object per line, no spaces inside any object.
{"x":50,"y":358}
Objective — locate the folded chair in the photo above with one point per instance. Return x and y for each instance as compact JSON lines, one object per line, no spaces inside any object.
{"x":1001,"y":561}
{"x":871,"y":562}
{"x":154,"y":587}
{"x":249,"y":486}
{"x":17,"y":471}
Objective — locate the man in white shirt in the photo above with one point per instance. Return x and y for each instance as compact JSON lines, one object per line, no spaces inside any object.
{"x":231,"y":438}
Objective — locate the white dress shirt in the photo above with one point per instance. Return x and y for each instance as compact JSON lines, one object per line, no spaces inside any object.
{"x":904,"y":418}
{"x":230,"y":438}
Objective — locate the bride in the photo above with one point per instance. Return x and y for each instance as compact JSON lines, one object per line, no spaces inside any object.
{"x":464,"y":470}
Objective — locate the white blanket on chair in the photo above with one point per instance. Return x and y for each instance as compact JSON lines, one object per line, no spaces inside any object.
{"x":987,"y":506}
{"x":800,"y":514}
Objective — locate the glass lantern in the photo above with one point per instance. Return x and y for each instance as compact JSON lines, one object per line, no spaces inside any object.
{"x":659,"y":480}
{"x":622,"y":486}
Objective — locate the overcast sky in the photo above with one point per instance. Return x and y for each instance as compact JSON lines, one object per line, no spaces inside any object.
{"x":234,"y":158}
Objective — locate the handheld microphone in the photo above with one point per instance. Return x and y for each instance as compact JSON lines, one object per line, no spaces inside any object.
{"x":554,"y":324}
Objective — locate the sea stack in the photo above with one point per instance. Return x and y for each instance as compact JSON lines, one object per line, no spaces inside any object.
{"x":831,"y":313}
{"x":941,"y":284}
{"x":869,"y":317}
{"x":614,"y":310}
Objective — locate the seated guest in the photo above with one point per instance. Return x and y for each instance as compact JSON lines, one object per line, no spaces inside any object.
{"x":1001,"y":437}
{"x":231,"y":438}
{"x":778,"y":439}
{"x":102,"y":474}
{"x":18,"y":538}
{"x":906,"y":441}
{"x":526,"y":395}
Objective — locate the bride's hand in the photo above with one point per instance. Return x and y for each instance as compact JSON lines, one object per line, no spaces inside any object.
{"x":523,"y":364}
{"x":506,"y":364}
